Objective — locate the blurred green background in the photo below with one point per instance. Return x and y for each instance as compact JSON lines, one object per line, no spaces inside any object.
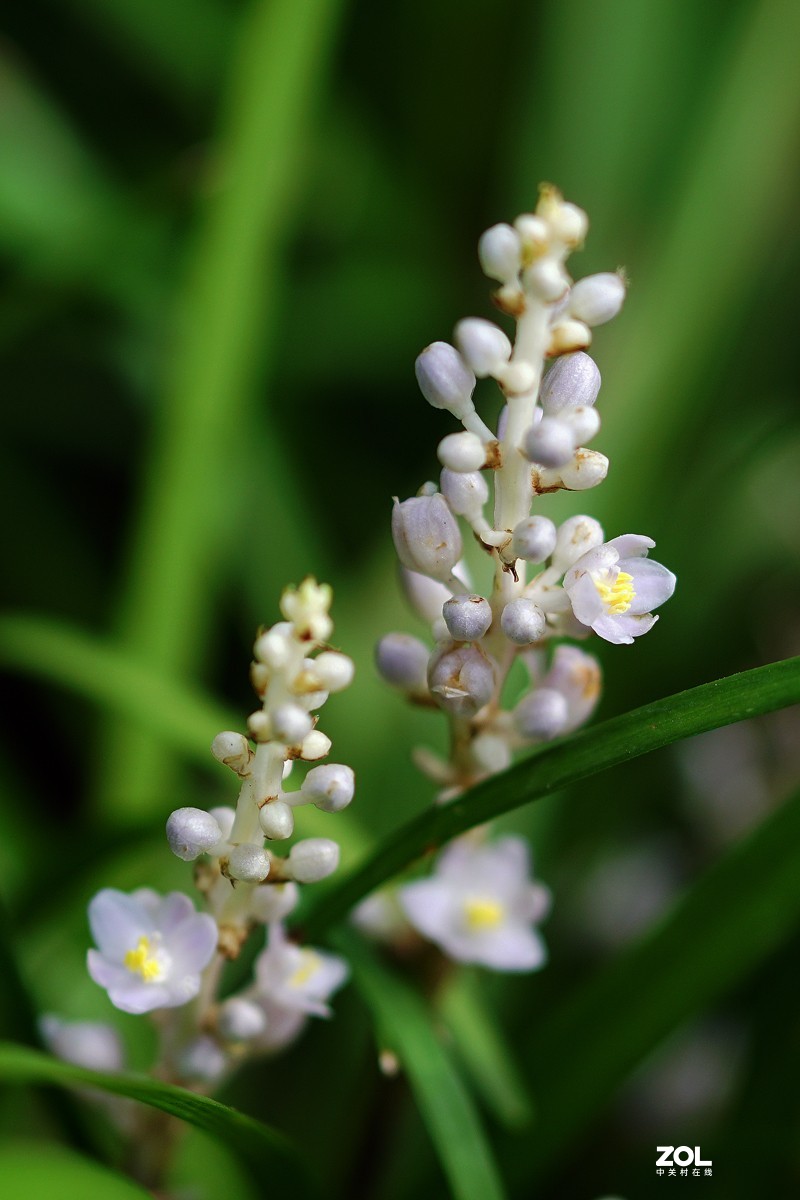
{"x":226,"y":230}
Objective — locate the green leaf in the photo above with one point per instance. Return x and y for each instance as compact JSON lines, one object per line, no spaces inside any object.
{"x":481,"y":1046}
{"x":560,"y":764}
{"x":738,"y":913}
{"x":37,"y":1169}
{"x":404,"y":1026}
{"x":267,"y":1153}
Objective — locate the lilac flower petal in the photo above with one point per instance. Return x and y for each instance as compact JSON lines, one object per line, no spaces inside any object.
{"x":652,"y":583}
{"x":586,"y":602}
{"x":193,"y":942}
{"x":428,"y":904}
{"x":597,"y":559}
{"x":148,"y":899}
{"x":172,"y":910}
{"x":512,"y":948}
{"x":142,"y":997}
{"x":632,"y":545}
{"x":117,"y":922}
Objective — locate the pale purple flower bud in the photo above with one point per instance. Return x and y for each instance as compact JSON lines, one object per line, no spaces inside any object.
{"x":461,"y":679}
{"x":313,"y":859}
{"x":467,"y":617}
{"x":523,"y":621}
{"x":550,"y":443}
{"x":402,"y":661}
{"x":224,"y":815}
{"x":583,"y":422}
{"x":573,"y":381}
{"x":533,"y":539}
{"x":248,"y":863}
{"x":276,"y":820}
{"x":426,"y":596}
{"x":444,"y":378}
{"x":483,"y":345}
{"x":291,"y":723}
{"x":202,"y":1060}
{"x":597,"y":298}
{"x":542,"y":714}
{"x":90,"y":1044}
{"x":462,"y":452}
{"x":426,"y":535}
{"x":500,"y":253}
{"x":240,"y":1020}
{"x":330,"y":788}
{"x":575,"y":536}
{"x":273,"y":901}
{"x":465,"y":492}
{"x":576,"y":675}
{"x":491,"y":752}
{"x":192,"y":832}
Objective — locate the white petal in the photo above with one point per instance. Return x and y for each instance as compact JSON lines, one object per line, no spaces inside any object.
{"x":585,"y":599}
{"x":172,"y":910}
{"x":512,"y":948}
{"x":593,"y":560}
{"x":140,"y":997}
{"x":534,"y":903}
{"x":192,"y":944}
{"x":621,"y":630}
{"x":652,"y":583}
{"x":456,"y":862}
{"x":429,"y":906}
{"x":117,"y":922}
{"x":632,"y":545}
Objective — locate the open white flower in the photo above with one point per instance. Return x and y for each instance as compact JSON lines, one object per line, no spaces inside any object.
{"x":292,"y":983}
{"x":614,"y":588}
{"x":480,"y":904}
{"x":152,"y":949}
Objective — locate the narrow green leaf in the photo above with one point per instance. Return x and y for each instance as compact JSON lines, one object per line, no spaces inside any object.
{"x":480,"y":1044}
{"x":562,"y":763}
{"x":404,"y":1026}
{"x":29,"y":1168}
{"x":263,"y":1150}
{"x":227,"y":312}
{"x":733,"y":918}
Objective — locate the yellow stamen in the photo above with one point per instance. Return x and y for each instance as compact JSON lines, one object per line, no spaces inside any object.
{"x":483,"y":913}
{"x":143,"y":962}
{"x":617,"y":596}
{"x":309,"y":966}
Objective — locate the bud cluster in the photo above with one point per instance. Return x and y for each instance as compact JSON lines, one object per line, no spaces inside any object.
{"x":550,"y":582}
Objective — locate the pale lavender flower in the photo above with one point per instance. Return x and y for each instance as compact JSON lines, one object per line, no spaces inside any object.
{"x":152,"y":949}
{"x":91,"y":1044}
{"x":480,"y":904}
{"x":614,"y":588}
{"x":292,"y":983}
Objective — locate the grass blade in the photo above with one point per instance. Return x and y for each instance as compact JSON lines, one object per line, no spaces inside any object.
{"x":697,"y":710}
{"x":404,"y":1024}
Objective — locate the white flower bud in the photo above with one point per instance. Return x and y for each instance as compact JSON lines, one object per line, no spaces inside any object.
{"x":533,"y":539}
{"x":276,"y":820}
{"x":568,"y":336}
{"x":426,"y":535}
{"x":462,"y":452}
{"x":191,"y":832}
{"x":483,"y":345}
{"x":241,"y":1020}
{"x":491,"y":752}
{"x":202,"y":1060}
{"x":465,"y":493}
{"x":587,"y":469}
{"x":576,"y":536}
{"x":224,"y":815}
{"x":572,"y":381}
{"x":547,"y":280}
{"x":426,"y":596}
{"x":542,"y":714}
{"x":402,"y":661}
{"x":91,"y":1044}
{"x":272,"y":648}
{"x":597,"y":298}
{"x":516,"y":378}
{"x":523,"y":621}
{"x":315,"y":745}
{"x":313,"y":859}
{"x":467,"y":618}
{"x":273,"y":901}
{"x":259,"y":726}
{"x":584,"y":423}
{"x":550,"y":443}
{"x":444,"y":379}
{"x":291,"y":723}
{"x":248,"y":863}
{"x":232,"y":750}
{"x":259,"y":677}
{"x":335,"y":671}
{"x":330,"y":788}
{"x":461,"y":679}
{"x":500,"y":253}
{"x":568,"y":223}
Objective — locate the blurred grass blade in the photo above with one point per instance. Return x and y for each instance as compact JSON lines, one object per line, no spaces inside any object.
{"x":226,"y":315}
{"x":481,"y":1046}
{"x":732,"y":919}
{"x":404,"y":1026}
{"x":697,"y":710}
{"x":179,"y":717}
{"x":34,"y":1168}
{"x":267,"y":1153}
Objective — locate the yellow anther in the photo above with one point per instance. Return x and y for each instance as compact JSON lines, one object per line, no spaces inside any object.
{"x":483,"y":913}
{"x":617,"y":596}
{"x":309,"y":965}
{"x":143,"y":962}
